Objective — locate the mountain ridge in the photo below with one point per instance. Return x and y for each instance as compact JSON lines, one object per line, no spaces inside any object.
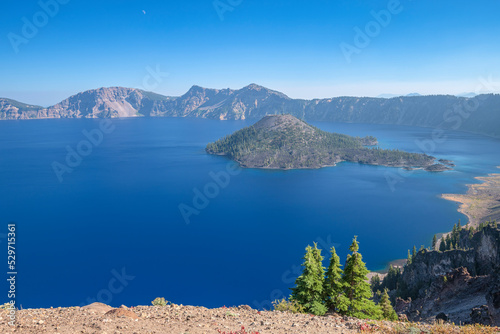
{"x":479,"y":114}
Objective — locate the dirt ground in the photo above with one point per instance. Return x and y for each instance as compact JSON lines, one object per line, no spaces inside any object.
{"x":178,"y":319}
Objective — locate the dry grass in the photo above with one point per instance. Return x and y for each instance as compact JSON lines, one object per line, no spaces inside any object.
{"x":438,"y":328}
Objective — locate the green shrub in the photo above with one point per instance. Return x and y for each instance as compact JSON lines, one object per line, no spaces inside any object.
{"x":160,"y":302}
{"x":285,"y":305}
{"x":318,"y":308}
{"x":5,"y":306}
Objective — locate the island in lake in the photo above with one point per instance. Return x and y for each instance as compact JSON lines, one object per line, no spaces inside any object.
{"x":286,"y":142}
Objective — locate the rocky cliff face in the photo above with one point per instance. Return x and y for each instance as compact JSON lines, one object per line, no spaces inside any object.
{"x":10,"y":109}
{"x":461,"y":285}
{"x":100,"y":103}
{"x":453,"y":297}
{"x":97,"y":103}
{"x":480,"y":114}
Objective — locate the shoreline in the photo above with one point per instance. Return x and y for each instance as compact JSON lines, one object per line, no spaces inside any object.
{"x":397,"y":263}
{"x":410,"y":168}
{"x":481,"y":202}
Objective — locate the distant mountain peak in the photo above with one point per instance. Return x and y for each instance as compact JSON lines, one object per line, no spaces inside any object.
{"x":194,"y":90}
{"x":104,"y":90}
{"x":469,"y":94}
{"x":386,"y":96}
{"x":390,"y":96}
{"x":255,"y":87}
{"x":259,"y":88}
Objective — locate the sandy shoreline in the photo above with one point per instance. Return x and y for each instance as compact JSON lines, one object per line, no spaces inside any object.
{"x":482,"y":201}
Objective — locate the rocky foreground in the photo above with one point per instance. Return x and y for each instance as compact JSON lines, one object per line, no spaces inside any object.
{"x":103,"y":319}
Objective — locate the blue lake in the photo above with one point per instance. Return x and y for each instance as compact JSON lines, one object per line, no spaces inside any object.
{"x":112,"y":230}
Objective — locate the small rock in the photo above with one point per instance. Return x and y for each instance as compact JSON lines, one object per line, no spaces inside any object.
{"x":122,"y":313}
{"x":98,"y":307}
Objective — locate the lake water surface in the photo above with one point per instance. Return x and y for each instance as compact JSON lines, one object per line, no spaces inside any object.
{"x":112,"y":230}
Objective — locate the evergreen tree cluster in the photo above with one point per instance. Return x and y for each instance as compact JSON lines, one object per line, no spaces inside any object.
{"x":482,"y":226}
{"x":345,"y":291}
{"x":390,"y":281}
{"x":455,"y":239}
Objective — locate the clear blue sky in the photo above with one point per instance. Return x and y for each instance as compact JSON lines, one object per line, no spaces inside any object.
{"x":430,"y":47}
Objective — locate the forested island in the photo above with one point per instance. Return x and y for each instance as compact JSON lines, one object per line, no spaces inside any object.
{"x":285,"y":142}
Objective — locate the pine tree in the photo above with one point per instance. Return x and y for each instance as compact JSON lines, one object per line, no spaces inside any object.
{"x":334,"y":285}
{"x":448,"y":242}
{"x":434,"y":242}
{"x":308,"y":291}
{"x":357,"y":288}
{"x":442,"y":245}
{"x":408,"y":260}
{"x":386,"y":307}
{"x":413,"y":253}
{"x":391,"y":280}
{"x":375,"y":283}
